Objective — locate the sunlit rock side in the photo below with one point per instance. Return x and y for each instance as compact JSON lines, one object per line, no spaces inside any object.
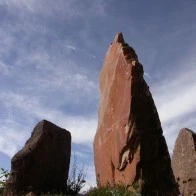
{"x":129,"y":144}
{"x":42,"y":165}
{"x":184,"y":162}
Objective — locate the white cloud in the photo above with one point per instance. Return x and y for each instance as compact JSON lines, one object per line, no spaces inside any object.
{"x":175,"y":99}
{"x":4,"y":70}
{"x":71,"y":47}
{"x":47,"y":7}
{"x":172,"y":128}
{"x":12,"y":134}
{"x":182,"y":104}
{"x":79,"y":154}
{"x":41,"y":72}
{"x":30,"y":4}
{"x":45,"y":70}
{"x":175,"y":96}
{"x":66,"y":9}
{"x":81,"y":128}
{"x":82,"y":131}
{"x":147,"y":75}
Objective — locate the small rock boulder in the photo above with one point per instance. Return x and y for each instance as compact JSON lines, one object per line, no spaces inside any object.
{"x":43,"y":163}
{"x":184,"y":162}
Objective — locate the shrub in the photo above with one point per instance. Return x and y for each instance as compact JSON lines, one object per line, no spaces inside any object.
{"x":76,"y":180}
{"x":4,"y":175}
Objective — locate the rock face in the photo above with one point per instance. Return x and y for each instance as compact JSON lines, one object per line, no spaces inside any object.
{"x":184,"y":162}
{"x":129,"y":144}
{"x":43,"y":163}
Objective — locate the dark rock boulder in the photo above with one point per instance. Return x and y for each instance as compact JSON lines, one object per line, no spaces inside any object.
{"x":42,"y":165}
{"x":184,"y":162}
{"x":129,"y":144}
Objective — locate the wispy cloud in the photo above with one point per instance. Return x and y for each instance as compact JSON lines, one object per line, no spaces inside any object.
{"x":51,"y":53}
{"x":76,"y":125}
{"x":175,"y":98}
{"x":12,"y":134}
{"x":69,"y":8}
{"x":175,"y":94}
{"x":44,"y":76}
{"x":147,"y":75}
{"x":3,"y":69}
{"x":71,"y":47}
{"x":66,"y":9}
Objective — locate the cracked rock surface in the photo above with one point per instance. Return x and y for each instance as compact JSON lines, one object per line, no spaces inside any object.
{"x":184,"y":162}
{"x":42,"y":165}
{"x":129,"y":145}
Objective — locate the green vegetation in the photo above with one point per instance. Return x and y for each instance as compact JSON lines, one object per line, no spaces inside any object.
{"x":118,"y":190}
{"x":4,"y":175}
{"x":76,"y":182}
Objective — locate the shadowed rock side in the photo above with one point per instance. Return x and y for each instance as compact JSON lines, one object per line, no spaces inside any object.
{"x":129,"y":144}
{"x":43,"y":163}
{"x":184,"y":162}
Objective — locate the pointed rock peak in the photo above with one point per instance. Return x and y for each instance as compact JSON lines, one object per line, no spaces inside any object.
{"x":126,"y":113}
{"x":119,"y":38}
{"x":188,"y":130}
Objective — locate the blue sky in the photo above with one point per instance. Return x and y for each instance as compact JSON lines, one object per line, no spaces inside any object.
{"x":51,"y":53}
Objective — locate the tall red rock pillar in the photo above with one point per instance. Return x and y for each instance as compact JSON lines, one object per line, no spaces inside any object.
{"x":129,"y":144}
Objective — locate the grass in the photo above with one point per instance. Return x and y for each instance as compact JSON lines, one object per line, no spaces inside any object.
{"x":76,"y":182}
{"x":118,"y":190}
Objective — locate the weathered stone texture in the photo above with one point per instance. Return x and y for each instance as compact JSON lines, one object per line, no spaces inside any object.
{"x":184,"y":162}
{"x":129,"y":144}
{"x":43,"y":163}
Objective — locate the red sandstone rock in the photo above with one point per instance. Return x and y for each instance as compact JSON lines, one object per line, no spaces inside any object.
{"x":184,"y":162}
{"x":42,"y":165}
{"x":129,"y":144}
